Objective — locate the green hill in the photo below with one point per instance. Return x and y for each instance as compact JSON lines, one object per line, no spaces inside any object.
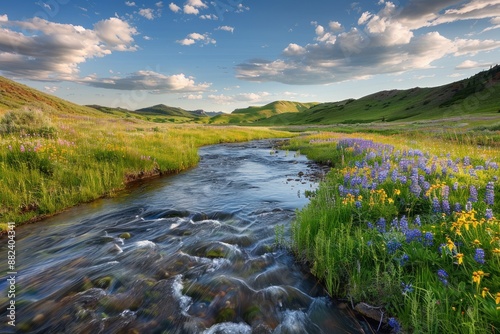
{"x":163,"y":110}
{"x":253,"y":114}
{"x":477,"y":95}
{"x":14,"y":96}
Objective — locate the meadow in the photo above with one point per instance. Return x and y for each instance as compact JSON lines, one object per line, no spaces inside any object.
{"x":51,"y":161}
{"x":406,"y":223}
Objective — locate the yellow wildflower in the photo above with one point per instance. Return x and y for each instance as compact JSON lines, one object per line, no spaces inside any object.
{"x":485,"y":292}
{"x":390,"y":200}
{"x":450,"y":244}
{"x":476,"y":242}
{"x":460,"y":258}
{"x":397,"y":192}
{"x":496,"y":251}
{"x":497,"y":300}
{"x":476,"y":278}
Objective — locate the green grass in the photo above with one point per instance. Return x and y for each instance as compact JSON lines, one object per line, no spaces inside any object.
{"x":371,"y":236}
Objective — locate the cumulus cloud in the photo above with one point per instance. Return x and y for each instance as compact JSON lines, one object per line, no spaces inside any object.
{"x":174,"y":8}
{"x":226,"y":28}
{"x":130,"y":3}
{"x":147,"y":13}
{"x":53,"y":51}
{"x":195,"y":37}
{"x":4,"y":18}
{"x":388,"y":41}
{"x":149,"y":81}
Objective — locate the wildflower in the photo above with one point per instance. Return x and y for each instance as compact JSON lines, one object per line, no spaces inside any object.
{"x":479,"y":256}
{"x":442,"y":273}
{"x":468,"y":206}
{"x":460,"y":258}
{"x":497,"y":299}
{"x":496,"y":251}
{"x":407,"y":288}
{"x":413,"y":235}
{"x":394,"y":325}
{"x":446,"y":206}
{"x":428,"y":239}
{"x":381,"y":225}
{"x":393,"y":246}
{"x":450,"y":244}
{"x":458,"y":207}
{"x":436,"y":207}
{"x":455,"y":186}
{"x":404,"y":259}
{"x":476,"y":242}
{"x":485,"y":292}
{"x":22,"y":148}
{"x":397,"y":192}
{"x":472,"y":194}
{"x":417,"y":220}
{"x":490,"y":194}
{"x":488,"y":214}
{"x":476,"y":277}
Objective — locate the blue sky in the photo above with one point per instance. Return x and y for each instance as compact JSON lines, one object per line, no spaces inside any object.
{"x":219,"y":55}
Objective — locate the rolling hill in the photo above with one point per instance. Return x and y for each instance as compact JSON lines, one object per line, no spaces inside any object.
{"x":163,"y":110}
{"x":254,"y":114}
{"x":479,"y":94}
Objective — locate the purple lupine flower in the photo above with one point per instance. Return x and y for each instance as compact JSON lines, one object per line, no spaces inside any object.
{"x":394,"y":325}
{"x":403,"y":259}
{"x":428,"y":239}
{"x":488,"y":214}
{"x":358,"y":204}
{"x":489,"y":197}
{"x":472,"y":194}
{"x":403,"y":224}
{"x":395,"y":224}
{"x":443,"y":275}
{"x":466,"y":161}
{"x":370,"y":225}
{"x":479,"y":256}
{"x":413,"y":235}
{"x":417,"y":221}
{"x":436,"y":206}
{"x":458,"y":207}
{"x":392,"y":246}
{"x":407,"y":288}
{"x":446,"y":206}
{"x":445,"y":192}
{"x":381,"y":225}
{"x":468,"y":206}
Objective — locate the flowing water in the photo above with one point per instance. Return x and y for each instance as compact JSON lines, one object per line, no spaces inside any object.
{"x":189,"y":253}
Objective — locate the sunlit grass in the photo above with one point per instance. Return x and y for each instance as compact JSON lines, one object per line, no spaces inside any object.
{"x":87,"y":157}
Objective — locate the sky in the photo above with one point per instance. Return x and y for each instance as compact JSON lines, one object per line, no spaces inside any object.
{"x":219,"y":55}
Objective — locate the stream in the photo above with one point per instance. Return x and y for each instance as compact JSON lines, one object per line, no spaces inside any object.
{"x":188,"y":253}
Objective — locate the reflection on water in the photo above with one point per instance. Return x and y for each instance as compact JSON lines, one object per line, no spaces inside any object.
{"x":190,"y":253}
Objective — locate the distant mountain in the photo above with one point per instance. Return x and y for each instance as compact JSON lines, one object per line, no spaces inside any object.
{"x":253,"y":114}
{"x":479,"y":94}
{"x":109,"y":110}
{"x":161,"y":109}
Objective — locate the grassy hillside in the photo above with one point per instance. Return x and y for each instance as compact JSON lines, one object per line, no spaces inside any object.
{"x":478,"y":95}
{"x":163,"y":110}
{"x":55,"y":154}
{"x":253,"y":114}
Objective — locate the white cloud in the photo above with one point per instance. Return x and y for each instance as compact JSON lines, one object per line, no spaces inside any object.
{"x":335,"y":26}
{"x":147,"y":38}
{"x":294,"y":50}
{"x":188,"y":9}
{"x":4,"y":18}
{"x":159,"y":4}
{"x":53,"y":51}
{"x":385,"y":42}
{"x":242,"y":97}
{"x":208,"y":17}
{"x":149,"y":81}
{"x":195,"y":37}
{"x":51,"y":89}
{"x":174,"y":8}
{"x":130,"y":3}
{"x":226,"y":28}
{"x":469,"y":64}
{"x":197,"y":3}
{"x":193,"y":97}
{"x":147,"y":13}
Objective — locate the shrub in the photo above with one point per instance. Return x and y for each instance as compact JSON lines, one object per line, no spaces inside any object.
{"x":27,"y":122}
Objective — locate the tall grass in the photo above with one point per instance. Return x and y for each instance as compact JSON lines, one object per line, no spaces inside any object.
{"x":407,"y":224}
{"x":87,"y":157}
